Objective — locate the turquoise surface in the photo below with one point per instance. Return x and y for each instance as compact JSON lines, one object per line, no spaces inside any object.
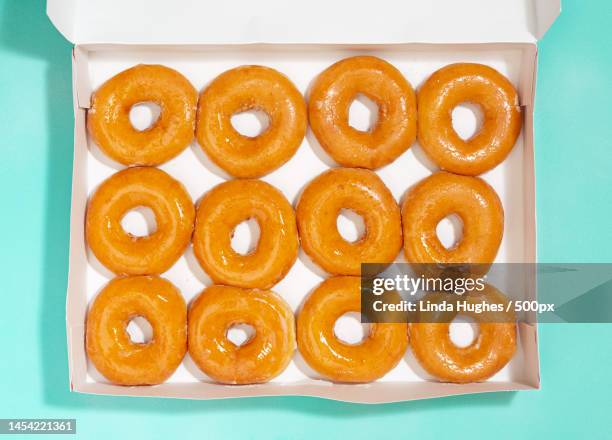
{"x":574,"y":158}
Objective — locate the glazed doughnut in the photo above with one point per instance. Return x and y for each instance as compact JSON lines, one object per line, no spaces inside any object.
{"x":490,"y":351}
{"x":251,"y":88}
{"x":334,"y":359}
{"x":439,"y":196}
{"x":498,"y":100}
{"x":363,"y":192}
{"x":260,"y":358}
{"x":109,"y":124}
{"x":226,"y":206}
{"x":124,"y":253}
{"x":330,"y":99}
{"x":108,"y":344}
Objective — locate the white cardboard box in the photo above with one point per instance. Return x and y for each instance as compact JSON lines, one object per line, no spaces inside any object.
{"x":201,"y":40}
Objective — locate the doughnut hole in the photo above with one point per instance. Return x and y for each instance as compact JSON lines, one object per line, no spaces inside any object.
{"x":467,"y":120}
{"x":363,"y":113}
{"x":139,"y":222}
{"x":139,"y":330}
{"x":463,"y":331}
{"x":144,"y":115}
{"x":250,"y":123}
{"x":240,"y":334}
{"x":246,"y":236}
{"x":350,"y":330}
{"x":351,"y":226}
{"x":450,"y":231}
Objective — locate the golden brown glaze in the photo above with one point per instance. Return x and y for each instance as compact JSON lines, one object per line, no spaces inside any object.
{"x":109,"y":124}
{"x":329,"y":102}
{"x":259,"y":359}
{"x":336,"y":360}
{"x":108,"y":343}
{"x":498,"y":100}
{"x":490,"y":351}
{"x":226,"y":206}
{"x":124,"y":253}
{"x":251,"y":88}
{"x":363,"y":192}
{"x":439,"y":196}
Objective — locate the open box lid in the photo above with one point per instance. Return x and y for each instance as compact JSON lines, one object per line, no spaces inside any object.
{"x":308,"y":21}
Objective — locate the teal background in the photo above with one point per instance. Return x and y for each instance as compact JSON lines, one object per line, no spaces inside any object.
{"x":574,"y":158}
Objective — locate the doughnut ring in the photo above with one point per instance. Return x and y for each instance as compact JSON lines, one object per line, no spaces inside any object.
{"x":363,"y":192}
{"x":226,"y":206}
{"x":330,"y":99}
{"x":108,"y":344}
{"x":251,"y":88}
{"x":334,"y":359}
{"x":478,"y":84}
{"x":109,"y":124}
{"x":443,"y":194}
{"x":124,"y":253}
{"x":490,"y":351}
{"x":260,"y":358}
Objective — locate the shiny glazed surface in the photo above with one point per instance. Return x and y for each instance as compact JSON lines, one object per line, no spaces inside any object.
{"x":124,"y":253}
{"x":259,"y":359}
{"x":490,"y":351}
{"x":329,"y":102}
{"x":251,"y":88}
{"x":108,"y":119}
{"x":468,"y":83}
{"x":439,"y":196}
{"x":336,"y":360}
{"x":218,"y":214}
{"x":108,"y":343}
{"x":363,"y":192}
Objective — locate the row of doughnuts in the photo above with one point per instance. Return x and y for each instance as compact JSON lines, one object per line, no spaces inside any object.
{"x":400,"y":112}
{"x":202,"y":331}
{"x":221,"y":209}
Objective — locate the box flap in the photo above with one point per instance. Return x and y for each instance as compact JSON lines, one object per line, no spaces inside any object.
{"x":313,"y":21}
{"x":546,"y":12}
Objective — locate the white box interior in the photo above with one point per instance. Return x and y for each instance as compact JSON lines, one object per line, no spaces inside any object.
{"x":513,"y":181}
